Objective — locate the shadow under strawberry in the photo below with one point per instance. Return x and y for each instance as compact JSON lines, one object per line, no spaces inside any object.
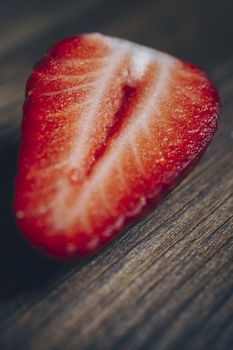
{"x":22,"y":270}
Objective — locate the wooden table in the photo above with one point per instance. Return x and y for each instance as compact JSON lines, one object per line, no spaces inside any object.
{"x":167,"y":283}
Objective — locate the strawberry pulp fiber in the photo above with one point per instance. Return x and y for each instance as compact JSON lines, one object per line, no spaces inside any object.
{"x":127,"y":99}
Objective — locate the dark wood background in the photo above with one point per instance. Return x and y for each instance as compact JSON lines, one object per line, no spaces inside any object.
{"x":167,"y":283}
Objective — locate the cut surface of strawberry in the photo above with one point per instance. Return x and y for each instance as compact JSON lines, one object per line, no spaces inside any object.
{"x":109,"y":127}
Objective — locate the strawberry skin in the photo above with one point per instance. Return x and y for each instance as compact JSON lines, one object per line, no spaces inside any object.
{"x":109,"y":127}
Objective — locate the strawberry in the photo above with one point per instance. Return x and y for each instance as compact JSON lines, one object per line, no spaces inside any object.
{"x":109,"y":127}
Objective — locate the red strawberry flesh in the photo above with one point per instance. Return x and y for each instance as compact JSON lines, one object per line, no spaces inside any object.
{"x":108,"y":128}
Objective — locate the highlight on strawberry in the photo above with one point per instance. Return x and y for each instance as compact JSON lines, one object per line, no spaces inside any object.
{"x":108,"y":128}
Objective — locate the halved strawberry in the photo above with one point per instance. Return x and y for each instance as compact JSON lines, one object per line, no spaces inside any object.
{"x":108,"y":128}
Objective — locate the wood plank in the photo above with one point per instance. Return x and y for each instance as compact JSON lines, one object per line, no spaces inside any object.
{"x":167,"y":283}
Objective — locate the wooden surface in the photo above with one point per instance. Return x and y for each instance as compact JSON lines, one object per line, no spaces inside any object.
{"x":167,"y":283}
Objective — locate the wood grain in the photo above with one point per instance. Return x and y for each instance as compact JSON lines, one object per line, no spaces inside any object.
{"x":167,"y":283}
